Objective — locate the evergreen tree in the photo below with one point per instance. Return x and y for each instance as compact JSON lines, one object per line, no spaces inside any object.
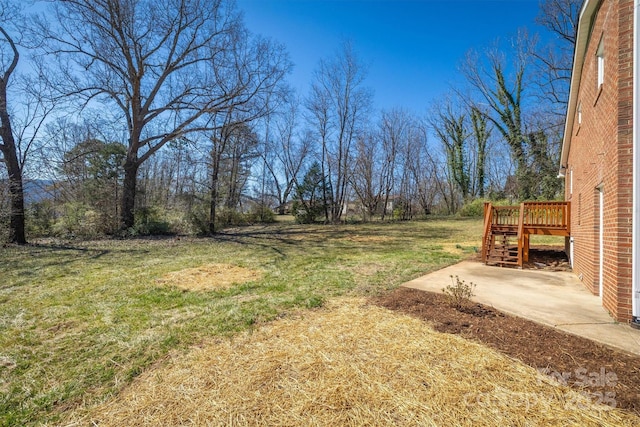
{"x":309,"y":201}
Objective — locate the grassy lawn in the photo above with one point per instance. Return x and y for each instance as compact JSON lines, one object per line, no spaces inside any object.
{"x":79,"y":321}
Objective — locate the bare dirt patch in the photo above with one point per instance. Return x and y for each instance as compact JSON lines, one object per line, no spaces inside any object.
{"x":209,"y":277}
{"x":349,"y":363}
{"x":604,"y":374}
{"x":551,"y":258}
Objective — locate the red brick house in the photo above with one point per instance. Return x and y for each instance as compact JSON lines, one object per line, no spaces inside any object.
{"x":601,"y":155}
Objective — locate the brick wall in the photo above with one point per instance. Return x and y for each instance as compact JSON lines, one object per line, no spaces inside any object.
{"x":600,"y":159}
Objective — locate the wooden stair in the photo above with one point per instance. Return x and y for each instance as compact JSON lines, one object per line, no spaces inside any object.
{"x":502,"y":246}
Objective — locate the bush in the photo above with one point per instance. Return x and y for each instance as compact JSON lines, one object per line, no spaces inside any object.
{"x":307,"y":213}
{"x":459,"y":293}
{"x":261,"y":213}
{"x":40,"y":218}
{"x":231,"y":217}
{"x":197,"y":220}
{"x":150,"y":221}
{"x":474,"y":208}
{"x":398,"y":213}
{"x":77,"y":220}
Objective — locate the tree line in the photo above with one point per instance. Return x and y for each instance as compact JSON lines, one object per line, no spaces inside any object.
{"x":153,"y":116}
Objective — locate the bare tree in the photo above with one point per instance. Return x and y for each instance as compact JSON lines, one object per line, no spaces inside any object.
{"x":242,"y":150}
{"x":554,"y":60}
{"x":463,"y":132}
{"x":338,"y":106}
{"x":453,"y":133}
{"x":503,"y":93}
{"x":391,"y":172}
{"x":419,"y":165}
{"x":286,"y":154}
{"x":481,"y":135}
{"x":168,"y":180}
{"x":367,"y":178}
{"x":395,"y":126}
{"x":320,"y":121}
{"x":165,"y":65}
{"x":8,"y":147}
{"x":561,"y":17}
{"x":444,"y":183}
{"x":20,"y":122}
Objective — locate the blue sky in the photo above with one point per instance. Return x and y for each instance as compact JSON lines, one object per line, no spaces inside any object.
{"x":413,"y":47}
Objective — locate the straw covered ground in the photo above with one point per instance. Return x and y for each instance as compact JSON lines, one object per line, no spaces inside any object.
{"x":347,"y":363}
{"x":209,"y":277}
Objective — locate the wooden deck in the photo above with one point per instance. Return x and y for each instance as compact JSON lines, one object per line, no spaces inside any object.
{"x":507,"y":229}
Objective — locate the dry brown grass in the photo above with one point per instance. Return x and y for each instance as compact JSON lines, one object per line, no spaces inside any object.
{"x":209,"y":277}
{"x":347,"y":364}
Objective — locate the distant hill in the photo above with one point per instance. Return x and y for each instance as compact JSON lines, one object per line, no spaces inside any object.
{"x":35,"y":190}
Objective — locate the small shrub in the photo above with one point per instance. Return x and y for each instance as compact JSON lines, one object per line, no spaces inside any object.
{"x":459,"y":293}
{"x":150,"y":221}
{"x":474,"y":208}
{"x":307,"y":213}
{"x":77,"y":220}
{"x":41,"y":218}
{"x":352,"y":219}
{"x":262,"y":214}
{"x":231,"y":217}
{"x":398,"y":213}
{"x":198,"y":220}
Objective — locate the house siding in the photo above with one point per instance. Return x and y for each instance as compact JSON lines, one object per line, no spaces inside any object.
{"x":600,"y":157}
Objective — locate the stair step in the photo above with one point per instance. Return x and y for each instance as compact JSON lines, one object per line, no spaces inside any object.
{"x":502,"y":245}
{"x":503,"y":255}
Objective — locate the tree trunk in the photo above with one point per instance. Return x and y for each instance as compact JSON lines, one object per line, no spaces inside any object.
{"x":214,"y":201}
{"x":325,"y":200}
{"x":216,"y":157}
{"x":16,"y":191}
{"x":16,"y":224}
{"x":129,"y":194}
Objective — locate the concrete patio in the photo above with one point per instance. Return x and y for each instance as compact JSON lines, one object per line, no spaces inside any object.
{"x":557,"y":299}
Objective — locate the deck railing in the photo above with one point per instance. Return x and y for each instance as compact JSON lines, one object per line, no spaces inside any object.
{"x":505,"y":215}
{"x":553,"y":215}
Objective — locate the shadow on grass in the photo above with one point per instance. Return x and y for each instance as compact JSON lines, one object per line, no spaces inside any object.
{"x":322,"y":235}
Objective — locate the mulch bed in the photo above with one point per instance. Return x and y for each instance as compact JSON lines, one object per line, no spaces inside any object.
{"x":609,"y":376}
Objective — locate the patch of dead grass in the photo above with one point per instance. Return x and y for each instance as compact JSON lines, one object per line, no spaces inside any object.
{"x":209,"y":277}
{"x":347,"y":364}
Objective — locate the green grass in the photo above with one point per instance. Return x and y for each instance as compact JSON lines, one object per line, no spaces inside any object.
{"x":79,"y":321}
{"x":547,"y":240}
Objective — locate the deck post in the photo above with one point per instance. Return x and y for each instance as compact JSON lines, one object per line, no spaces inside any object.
{"x":520,"y":234}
